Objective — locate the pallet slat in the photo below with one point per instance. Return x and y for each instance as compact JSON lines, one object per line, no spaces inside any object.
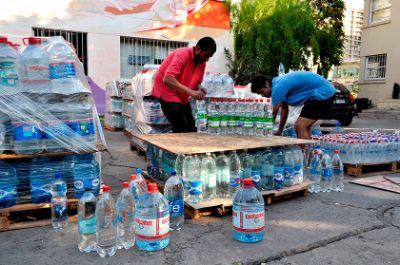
{"x":365,"y":170}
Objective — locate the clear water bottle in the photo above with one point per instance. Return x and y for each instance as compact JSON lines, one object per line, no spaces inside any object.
{"x":209,"y":177}
{"x":152,"y":220}
{"x":281,"y":69}
{"x":106,"y":234}
{"x":289,"y":168}
{"x":326,"y":173}
{"x":192,"y":173}
{"x":234,"y":173}
{"x":223,"y":176}
{"x":315,"y":173}
{"x":337,"y":170}
{"x":125,"y":218}
{"x":201,"y":116}
{"x":298,"y":158}
{"x":59,"y":216}
{"x":232,"y":117}
{"x":134,"y":187}
{"x":87,"y":221}
{"x":180,"y":160}
{"x":256,"y":170}
{"x":267,"y":170}
{"x":9,"y":65}
{"x":86,"y":172}
{"x":246,"y":162}
{"x":223,"y":114}
{"x":8,"y":185}
{"x":241,"y":112}
{"x":268,"y":118}
{"x":213,"y":118}
{"x":174,"y":192}
{"x":259,"y":117}
{"x":279,"y":169}
{"x":34,"y":63}
{"x":248,"y":214}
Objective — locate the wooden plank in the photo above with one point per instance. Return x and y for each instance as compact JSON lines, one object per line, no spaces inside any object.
{"x":378,"y":182}
{"x":32,"y":206}
{"x":394,"y":179}
{"x":32,"y":224}
{"x":370,"y":169}
{"x":195,"y":143}
{"x":126,"y":114}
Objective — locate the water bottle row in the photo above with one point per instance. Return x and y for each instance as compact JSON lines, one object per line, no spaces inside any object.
{"x":218,"y":85}
{"x":235,"y":116}
{"x":50,"y":67}
{"x":325,"y":173}
{"x":362,"y":148}
{"x":31,"y":179}
{"x":114,"y":104}
{"x":114,"y":120}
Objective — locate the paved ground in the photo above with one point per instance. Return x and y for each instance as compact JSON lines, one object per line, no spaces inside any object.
{"x":356,"y":227}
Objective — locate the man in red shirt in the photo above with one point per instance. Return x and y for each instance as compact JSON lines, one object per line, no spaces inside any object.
{"x":178,"y":78}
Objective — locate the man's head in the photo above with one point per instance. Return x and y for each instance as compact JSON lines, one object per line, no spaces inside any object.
{"x":205,"y":48}
{"x":260,"y":84}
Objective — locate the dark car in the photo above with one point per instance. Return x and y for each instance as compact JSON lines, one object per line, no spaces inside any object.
{"x":343,"y":108}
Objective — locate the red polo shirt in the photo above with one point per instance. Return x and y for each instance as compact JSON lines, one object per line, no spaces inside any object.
{"x":180,"y":65}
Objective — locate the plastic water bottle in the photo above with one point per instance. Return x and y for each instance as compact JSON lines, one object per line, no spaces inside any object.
{"x":180,"y":160}
{"x":315,"y":173}
{"x":191,"y":170}
{"x":267,"y":170}
{"x":268,"y":118}
{"x":41,"y":176}
{"x":174,"y":192}
{"x":9,"y":59}
{"x":289,"y":168}
{"x":223,"y":176}
{"x":34,"y":63}
{"x":232,"y":119}
{"x":201,"y":116}
{"x":209,"y":177}
{"x":152,"y":220}
{"x":298,"y":158}
{"x":246,"y":162}
{"x":86,"y":172}
{"x":326,"y":173}
{"x":87,"y":221}
{"x":256,"y":170}
{"x":248,"y":214}
{"x":59,"y":216}
{"x":106,"y":234}
{"x":279,"y":169}
{"x":8,"y":185}
{"x":125,"y":218}
{"x":281,"y":69}
{"x":234,"y":172}
{"x":134,"y":187}
{"x":213,"y":118}
{"x":337,"y":170}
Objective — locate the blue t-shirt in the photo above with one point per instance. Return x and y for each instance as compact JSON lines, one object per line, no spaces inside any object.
{"x":295,"y":88}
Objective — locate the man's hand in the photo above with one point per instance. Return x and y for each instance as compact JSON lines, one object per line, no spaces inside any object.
{"x":278,"y":133}
{"x":202,"y":89}
{"x":197,"y":94}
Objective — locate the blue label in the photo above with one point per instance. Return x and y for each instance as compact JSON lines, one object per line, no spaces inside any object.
{"x":7,"y":193}
{"x":60,"y":212}
{"x":234,"y":181}
{"x":26,"y":132}
{"x":326,"y":172}
{"x":298,"y":167}
{"x":256,"y":176}
{"x":93,"y":183}
{"x":176,"y":207}
{"x":288,"y":171}
{"x":195,"y":187}
{"x":62,"y":70}
{"x":87,"y":226}
{"x":314,"y":171}
{"x":82,"y":127}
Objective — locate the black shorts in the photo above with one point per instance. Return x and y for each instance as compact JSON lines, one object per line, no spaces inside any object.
{"x":316,"y":109}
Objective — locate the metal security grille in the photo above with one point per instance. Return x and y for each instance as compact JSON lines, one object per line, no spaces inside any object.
{"x":136,"y":52}
{"x":375,"y":67}
{"x":78,"y":39}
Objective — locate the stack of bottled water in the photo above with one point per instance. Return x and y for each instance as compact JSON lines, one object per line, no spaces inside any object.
{"x":224,"y":116}
{"x":218,"y":85}
{"x":363,"y":148}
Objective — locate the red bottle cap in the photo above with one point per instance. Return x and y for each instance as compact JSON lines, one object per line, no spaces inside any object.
{"x":336,"y":152}
{"x":3,"y":39}
{"x":133,"y":177}
{"x":316,"y":152}
{"x":152,"y":187}
{"x":106,"y":188}
{"x":248,"y":183}
{"x":125,"y":185}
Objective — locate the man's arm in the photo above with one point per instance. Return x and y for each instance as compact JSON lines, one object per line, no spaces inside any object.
{"x":174,"y":84}
{"x":284,"y":116}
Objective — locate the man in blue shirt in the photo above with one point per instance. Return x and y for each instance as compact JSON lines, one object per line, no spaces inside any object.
{"x":296,"y":89}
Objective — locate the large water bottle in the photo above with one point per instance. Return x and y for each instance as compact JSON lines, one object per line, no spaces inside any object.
{"x":256,"y":170}
{"x":337,"y":171}
{"x":125,"y":218}
{"x":326,"y":173}
{"x":279,"y":169}
{"x":9,"y":59}
{"x":223,"y":176}
{"x":152,"y":220}
{"x":34,"y":63}
{"x":246,"y":162}
{"x":315,"y":173}
{"x":192,"y":175}
{"x":209,"y":177}
{"x":289,"y":168}
{"x":86,"y":174}
{"x":135,"y":189}
{"x":281,"y":69}
{"x":234,"y":172}
{"x":8,"y":185}
{"x":174,"y":192}
{"x":201,"y":116}
{"x":267,"y":170}
{"x":106,"y":234}
{"x":59,"y":214}
{"x":248,"y":214}
{"x":87,"y":221}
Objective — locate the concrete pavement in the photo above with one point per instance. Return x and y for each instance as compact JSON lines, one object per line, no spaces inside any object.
{"x":358,"y":226}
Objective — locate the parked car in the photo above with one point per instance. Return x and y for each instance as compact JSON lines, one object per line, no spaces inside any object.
{"x":343,"y":108}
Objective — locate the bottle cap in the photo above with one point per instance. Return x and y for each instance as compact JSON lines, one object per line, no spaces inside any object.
{"x":173,"y":173}
{"x":133,"y":177}
{"x":336,"y":151}
{"x":248,"y":183}
{"x":58,"y":175}
{"x":316,"y":152}
{"x":33,"y":41}
{"x":3,"y":39}
{"x":106,"y":188}
{"x":125,"y":185}
{"x":138,"y":171}
{"x":152,"y":187}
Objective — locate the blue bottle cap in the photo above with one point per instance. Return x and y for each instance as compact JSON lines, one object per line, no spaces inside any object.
{"x":58,"y":175}
{"x":138,"y":171}
{"x":173,"y":173}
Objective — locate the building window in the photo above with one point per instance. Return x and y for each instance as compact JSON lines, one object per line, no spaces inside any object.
{"x":78,"y":39}
{"x":136,"y":52}
{"x":375,"y":67}
{"x":380,"y":11}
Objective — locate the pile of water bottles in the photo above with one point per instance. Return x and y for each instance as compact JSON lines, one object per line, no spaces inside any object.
{"x":231,"y":116}
{"x":29,"y":180}
{"x":363,"y":148}
{"x":46,"y":103}
{"x":218,"y":85}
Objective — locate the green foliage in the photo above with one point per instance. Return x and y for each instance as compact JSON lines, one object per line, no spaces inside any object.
{"x":267,"y":32}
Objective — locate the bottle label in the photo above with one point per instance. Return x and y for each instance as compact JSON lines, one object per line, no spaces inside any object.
{"x":241,"y":121}
{"x":247,"y":222}
{"x":5,"y":193}
{"x":35,"y":73}
{"x":338,"y":171}
{"x":8,"y":74}
{"x":314,"y":171}
{"x":234,"y":181}
{"x":60,"y":212}
{"x":248,"y":123}
{"x":213,"y":121}
{"x":62,"y":70}
{"x":259,"y":123}
{"x":152,"y":229}
{"x":87,"y":226}
{"x":43,"y":189}
{"x":195,"y":187}
{"x":232,"y":122}
{"x":224,"y":121}
{"x":176,"y":207}
{"x":26,"y":132}
{"x":201,"y":118}
{"x":326,"y":172}
{"x":82,"y":127}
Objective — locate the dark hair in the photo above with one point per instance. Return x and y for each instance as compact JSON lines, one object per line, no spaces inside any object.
{"x":258,"y":82}
{"x":207,"y":44}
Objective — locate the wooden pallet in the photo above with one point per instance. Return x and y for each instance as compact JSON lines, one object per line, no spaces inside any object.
{"x":112,"y":129}
{"x":30,"y":215}
{"x":365,"y":170}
